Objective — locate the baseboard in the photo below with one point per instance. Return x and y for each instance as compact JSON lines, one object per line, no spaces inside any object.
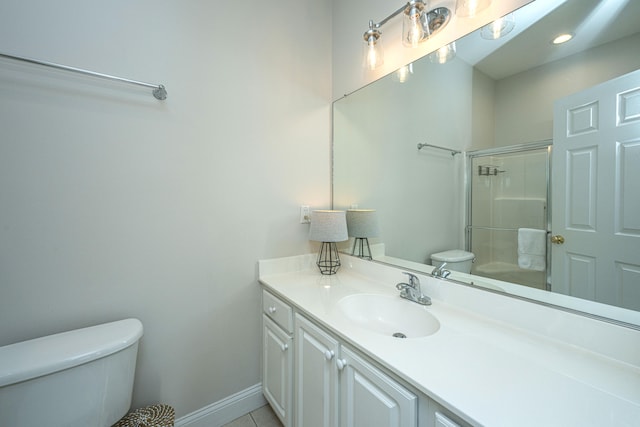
{"x":226,"y":410}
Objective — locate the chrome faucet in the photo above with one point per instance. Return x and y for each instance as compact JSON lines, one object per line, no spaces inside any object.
{"x":412,"y":290}
{"x":440,"y":271}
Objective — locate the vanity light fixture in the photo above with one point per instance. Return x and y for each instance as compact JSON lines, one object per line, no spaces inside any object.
{"x":328,"y":227}
{"x":362,"y":224}
{"x":444,"y":54}
{"x":470,"y":8}
{"x":418,"y":25}
{"x":498,"y":28}
{"x":562,"y":38}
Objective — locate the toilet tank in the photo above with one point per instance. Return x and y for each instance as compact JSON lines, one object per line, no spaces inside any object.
{"x":456,"y":259}
{"x":80,"y":378}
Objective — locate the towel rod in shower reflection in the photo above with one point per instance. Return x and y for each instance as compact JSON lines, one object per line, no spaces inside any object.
{"x":453,"y":152}
{"x":159,"y":91}
{"x":479,"y":227}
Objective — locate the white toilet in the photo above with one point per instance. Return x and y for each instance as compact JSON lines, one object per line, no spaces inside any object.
{"x":456,"y":259}
{"x":80,"y":378}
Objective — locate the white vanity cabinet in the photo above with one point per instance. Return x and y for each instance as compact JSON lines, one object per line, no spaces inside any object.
{"x":312,"y":379}
{"x":337,"y":387}
{"x":277,"y":356}
{"x":348,"y":370}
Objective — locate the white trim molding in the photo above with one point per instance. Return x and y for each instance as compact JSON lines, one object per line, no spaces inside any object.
{"x":226,"y":410}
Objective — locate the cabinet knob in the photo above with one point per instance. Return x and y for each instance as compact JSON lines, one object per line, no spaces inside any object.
{"x":341,"y":364}
{"x":272,"y":309}
{"x":285,"y":347}
{"x":329,"y":354}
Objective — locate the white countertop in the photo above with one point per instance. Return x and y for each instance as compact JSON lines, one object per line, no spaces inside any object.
{"x":495,"y":361}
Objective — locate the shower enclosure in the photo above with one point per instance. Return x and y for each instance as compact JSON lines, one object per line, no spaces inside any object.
{"x":508,"y":190}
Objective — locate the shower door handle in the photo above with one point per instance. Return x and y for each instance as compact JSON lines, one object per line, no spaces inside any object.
{"x":557,"y":239}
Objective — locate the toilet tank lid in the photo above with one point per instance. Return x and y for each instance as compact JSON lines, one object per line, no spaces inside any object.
{"x":26,"y":360}
{"x":454,"y":255}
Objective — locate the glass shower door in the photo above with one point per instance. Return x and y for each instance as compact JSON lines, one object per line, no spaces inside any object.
{"x":508,"y":192}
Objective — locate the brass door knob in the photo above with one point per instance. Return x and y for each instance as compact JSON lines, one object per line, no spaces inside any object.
{"x":557,"y":239}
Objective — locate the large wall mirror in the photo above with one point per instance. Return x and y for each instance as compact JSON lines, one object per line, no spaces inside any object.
{"x":523,"y":152}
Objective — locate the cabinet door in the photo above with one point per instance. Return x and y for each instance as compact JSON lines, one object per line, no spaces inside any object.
{"x":277,"y":369}
{"x":316,"y":376}
{"x":436,"y":415}
{"x":444,"y":421}
{"x":370,"y":398}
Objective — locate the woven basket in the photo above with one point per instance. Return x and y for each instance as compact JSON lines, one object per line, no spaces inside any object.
{"x":160,"y":415}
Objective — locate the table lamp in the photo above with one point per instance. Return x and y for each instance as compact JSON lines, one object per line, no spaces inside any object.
{"x":362,"y":224}
{"x":328,"y":227}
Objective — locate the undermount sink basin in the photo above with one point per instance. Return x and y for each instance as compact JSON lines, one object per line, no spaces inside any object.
{"x":389,"y":315}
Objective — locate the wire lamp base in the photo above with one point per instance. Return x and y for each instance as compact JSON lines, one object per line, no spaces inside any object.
{"x":361,"y":245}
{"x":328,"y":259}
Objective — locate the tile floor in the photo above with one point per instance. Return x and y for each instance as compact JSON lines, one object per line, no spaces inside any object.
{"x":261,"y":417}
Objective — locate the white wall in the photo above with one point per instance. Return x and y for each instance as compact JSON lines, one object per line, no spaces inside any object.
{"x":418,"y":194}
{"x":532,"y":120}
{"x":114,"y":204}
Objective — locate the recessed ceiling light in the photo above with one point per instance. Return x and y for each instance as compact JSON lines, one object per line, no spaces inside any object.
{"x":562,"y":38}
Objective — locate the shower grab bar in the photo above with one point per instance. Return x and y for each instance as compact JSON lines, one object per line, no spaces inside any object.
{"x":159,"y":91}
{"x":453,"y":152}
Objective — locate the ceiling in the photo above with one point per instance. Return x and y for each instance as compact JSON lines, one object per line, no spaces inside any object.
{"x":594,"y":23}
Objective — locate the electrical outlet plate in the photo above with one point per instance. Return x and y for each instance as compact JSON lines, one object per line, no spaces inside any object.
{"x":305,"y":214}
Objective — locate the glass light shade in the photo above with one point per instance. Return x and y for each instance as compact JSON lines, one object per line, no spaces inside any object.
{"x":470,"y":8}
{"x":328,"y":226}
{"x":373,"y":51}
{"x":401,"y":75}
{"x":412,"y":29}
{"x":498,"y":28}
{"x":444,"y":54}
{"x":362,"y":222}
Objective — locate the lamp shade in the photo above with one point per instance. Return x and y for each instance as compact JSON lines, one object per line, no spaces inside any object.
{"x":362,"y":222}
{"x":328,"y":226}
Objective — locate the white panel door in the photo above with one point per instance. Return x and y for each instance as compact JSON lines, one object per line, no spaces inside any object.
{"x":369,"y":398}
{"x":596,"y":193}
{"x":316,"y":401}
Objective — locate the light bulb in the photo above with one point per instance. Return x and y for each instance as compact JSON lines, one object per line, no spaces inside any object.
{"x":496,"y":28}
{"x":373,"y":58}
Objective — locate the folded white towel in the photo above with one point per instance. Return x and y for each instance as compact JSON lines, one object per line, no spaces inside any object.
{"x":532,"y":249}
